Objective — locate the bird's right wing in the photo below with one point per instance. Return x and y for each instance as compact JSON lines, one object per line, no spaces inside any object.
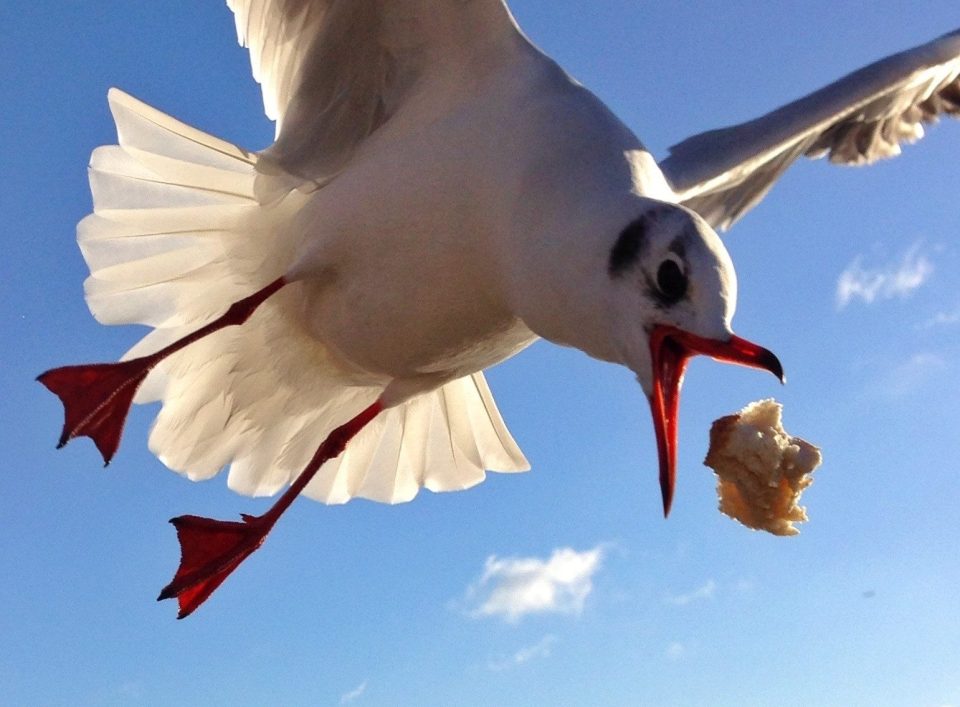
{"x":277,"y":33}
{"x":859,"y":119}
{"x":333,"y":71}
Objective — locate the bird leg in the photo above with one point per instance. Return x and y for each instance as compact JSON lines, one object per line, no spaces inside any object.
{"x":211,"y":549}
{"x":97,"y":397}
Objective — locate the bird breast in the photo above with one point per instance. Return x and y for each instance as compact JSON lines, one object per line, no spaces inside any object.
{"x":403,"y":253}
{"x":415,"y":249}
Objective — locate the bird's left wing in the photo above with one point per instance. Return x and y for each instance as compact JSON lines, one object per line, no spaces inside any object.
{"x":859,"y":119}
{"x":333,"y":71}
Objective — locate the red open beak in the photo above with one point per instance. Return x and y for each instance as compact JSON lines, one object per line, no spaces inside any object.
{"x":671,"y":349}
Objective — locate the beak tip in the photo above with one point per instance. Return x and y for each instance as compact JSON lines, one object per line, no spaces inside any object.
{"x":772,"y":364}
{"x":667,"y":493}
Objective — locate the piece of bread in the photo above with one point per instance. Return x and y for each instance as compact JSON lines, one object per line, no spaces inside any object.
{"x":761,"y":470}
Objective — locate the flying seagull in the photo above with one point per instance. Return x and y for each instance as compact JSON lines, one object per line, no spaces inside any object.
{"x":440,"y":194}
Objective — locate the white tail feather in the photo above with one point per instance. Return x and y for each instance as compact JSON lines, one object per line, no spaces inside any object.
{"x":177,"y":235}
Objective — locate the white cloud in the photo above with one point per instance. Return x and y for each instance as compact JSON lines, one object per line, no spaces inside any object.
{"x":895,"y":280}
{"x":675,"y":651}
{"x":699,"y":594}
{"x":354,"y":694}
{"x":514,"y":587}
{"x":911,"y":375}
{"x":540,"y":649}
{"x":946,"y":318}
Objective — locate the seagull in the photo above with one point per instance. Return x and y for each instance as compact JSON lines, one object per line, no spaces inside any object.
{"x":440,"y":194}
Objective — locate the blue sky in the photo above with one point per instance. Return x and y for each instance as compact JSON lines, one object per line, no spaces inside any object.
{"x":850,"y":275}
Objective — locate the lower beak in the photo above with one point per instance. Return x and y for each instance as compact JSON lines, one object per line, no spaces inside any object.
{"x":671,"y":349}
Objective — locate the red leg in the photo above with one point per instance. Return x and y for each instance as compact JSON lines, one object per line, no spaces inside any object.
{"x":211,"y":549}
{"x":97,"y":397}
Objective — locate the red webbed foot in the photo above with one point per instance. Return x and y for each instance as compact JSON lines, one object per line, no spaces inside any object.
{"x":209,"y":551}
{"x":96,"y":399}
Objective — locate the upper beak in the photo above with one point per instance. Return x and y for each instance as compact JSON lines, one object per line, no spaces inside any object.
{"x":671,"y":349}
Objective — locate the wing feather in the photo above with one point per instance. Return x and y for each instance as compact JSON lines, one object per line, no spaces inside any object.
{"x":857,"y":120}
{"x":333,"y":71}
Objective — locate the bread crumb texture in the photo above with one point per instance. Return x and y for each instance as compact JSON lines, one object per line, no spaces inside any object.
{"x":761,"y":470}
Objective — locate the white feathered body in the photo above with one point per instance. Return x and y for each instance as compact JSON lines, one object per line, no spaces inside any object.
{"x":433,"y":238}
{"x":415,"y":266}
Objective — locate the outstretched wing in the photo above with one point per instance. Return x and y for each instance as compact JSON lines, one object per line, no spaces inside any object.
{"x":857,"y":120}
{"x":332,"y":71}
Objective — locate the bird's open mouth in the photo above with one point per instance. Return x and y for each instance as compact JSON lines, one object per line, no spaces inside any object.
{"x":671,"y":349}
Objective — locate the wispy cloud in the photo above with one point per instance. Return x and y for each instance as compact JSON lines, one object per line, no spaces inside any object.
{"x":701,"y":593}
{"x":945,"y":318}
{"x":540,"y":649}
{"x":354,"y":694}
{"x":514,"y":587}
{"x":675,"y":651}
{"x":911,"y":375}
{"x":897,"y":279}
{"x":131,"y":691}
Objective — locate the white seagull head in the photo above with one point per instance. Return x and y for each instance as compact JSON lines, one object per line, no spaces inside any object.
{"x":672,"y":294}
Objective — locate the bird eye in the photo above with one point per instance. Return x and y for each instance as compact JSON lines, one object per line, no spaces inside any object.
{"x":671,"y":281}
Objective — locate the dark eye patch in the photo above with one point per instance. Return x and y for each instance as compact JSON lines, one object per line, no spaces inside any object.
{"x":671,"y":281}
{"x":626,"y":250}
